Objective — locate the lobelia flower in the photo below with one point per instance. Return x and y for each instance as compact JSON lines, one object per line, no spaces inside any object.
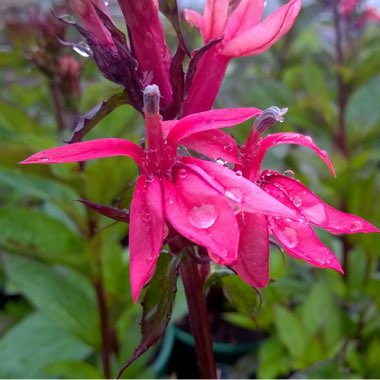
{"x":198,"y":199}
{"x":296,"y":236}
{"x":241,"y":33}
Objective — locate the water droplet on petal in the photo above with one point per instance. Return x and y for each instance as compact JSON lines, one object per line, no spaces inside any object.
{"x":147,"y":217}
{"x":290,"y":237}
{"x":83,"y":49}
{"x":356,"y":226}
{"x":297,"y":202}
{"x":289,"y":173}
{"x":238,"y":173}
{"x":171,"y":201}
{"x":203,"y":216}
{"x":228,"y":147}
{"x":182,"y":173}
{"x":148,"y":40}
{"x":220,"y":161}
{"x":68,"y":18}
{"x":234,"y":194}
{"x":308,"y":139}
{"x":106,"y":2}
{"x":316,"y":213}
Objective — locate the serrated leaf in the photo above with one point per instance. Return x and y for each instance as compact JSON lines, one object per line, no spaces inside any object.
{"x":30,"y":231}
{"x":34,"y":343}
{"x":52,"y":291}
{"x":157,"y":305}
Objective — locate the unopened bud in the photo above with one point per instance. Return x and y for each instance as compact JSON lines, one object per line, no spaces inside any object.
{"x":152,"y":99}
{"x":268,"y":118}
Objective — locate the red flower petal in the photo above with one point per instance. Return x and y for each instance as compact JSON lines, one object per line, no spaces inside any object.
{"x":317,"y":211}
{"x":253,"y":255}
{"x":146,"y":232}
{"x":301,"y":242}
{"x":259,"y":150}
{"x":208,"y":120}
{"x":213,"y":144}
{"x":215,"y":17}
{"x":201,"y":214}
{"x":246,"y":15}
{"x":87,"y":150}
{"x":262,"y":36}
{"x":195,"y":19}
{"x":242,"y":194}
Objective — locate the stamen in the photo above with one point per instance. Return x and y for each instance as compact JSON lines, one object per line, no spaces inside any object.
{"x":152,"y":100}
{"x":268,"y":118}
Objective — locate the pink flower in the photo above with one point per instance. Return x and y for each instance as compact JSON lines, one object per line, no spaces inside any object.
{"x":242,"y":34}
{"x":198,"y":198}
{"x":296,"y":236}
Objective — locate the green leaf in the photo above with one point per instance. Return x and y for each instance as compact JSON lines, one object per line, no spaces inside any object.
{"x":242,"y":296}
{"x":157,"y":304}
{"x":52,"y":291}
{"x":273,"y":359}
{"x":30,"y":231}
{"x":71,"y":369}
{"x":35,"y":343}
{"x":291,"y":332}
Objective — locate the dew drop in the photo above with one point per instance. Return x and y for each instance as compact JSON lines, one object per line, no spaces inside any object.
{"x":297,"y":202}
{"x":290,"y":235}
{"x":289,"y":173}
{"x":182,"y":173}
{"x":220,"y":161}
{"x":83,"y":49}
{"x":106,"y":2}
{"x":228,"y":147}
{"x":356,"y":226}
{"x":147,"y":217}
{"x":203,"y":216}
{"x":68,"y":18}
{"x":238,"y":173}
{"x":316,"y":213}
{"x":234,"y":194}
{"x":148,"y":40}
{"x":171,"y":201}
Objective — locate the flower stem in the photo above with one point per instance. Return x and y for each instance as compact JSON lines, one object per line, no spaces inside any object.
{"x":199,"y":320}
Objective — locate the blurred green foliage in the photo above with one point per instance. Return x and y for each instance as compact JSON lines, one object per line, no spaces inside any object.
{"x":65,"y":297}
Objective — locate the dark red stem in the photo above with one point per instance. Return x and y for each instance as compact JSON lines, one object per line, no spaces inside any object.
{"x":199,"y":319}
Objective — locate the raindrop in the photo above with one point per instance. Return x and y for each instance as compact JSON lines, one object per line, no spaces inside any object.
{"x":182,"y":173}
{"x":297,"y":202}
{"x":290,"y":235}
{"x":220,"y":161}
{"x":289,"y":173}
{"x":356,"y":226}
{"x":68,"y":18}
{"x":228,"y":147}
{"x":238,"y":173}
{"x":234,"y":194}
{"x":316,"y":213}
{"x":171,"y":201}
{"x":150,"y":178}
{"x":203,"y":216}
{"x":148,"y":40}
{"x":106,"y":2}
{"x":147,"y":217}
{"x":83,"y":49}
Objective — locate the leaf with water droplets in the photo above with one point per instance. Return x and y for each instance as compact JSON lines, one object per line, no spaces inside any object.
{"x":157,"y":305}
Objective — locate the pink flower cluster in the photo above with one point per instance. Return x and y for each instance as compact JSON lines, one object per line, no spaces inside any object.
{"x":228,"y":209}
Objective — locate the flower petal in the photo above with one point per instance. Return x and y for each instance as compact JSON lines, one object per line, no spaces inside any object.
{"x":242,"y":194}
{"x":258,"y":151}
{"x":215,"y":17}
{"x":213,"y":144}
{"x":262,"y":36}
{"x":146,"y":232}
{"x":194,"y":19}
{"x":253,"y":255}
{"x":201,"y":214}
{"x":208,"y":120}
{"x":87,"y":150}
{"x":246,"y":15}
{"x":301,"y":242}
{"x":317,"y":211}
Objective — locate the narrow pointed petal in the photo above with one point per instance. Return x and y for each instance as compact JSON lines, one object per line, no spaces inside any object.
{"x":242,"y":194}
{"x":258,"y":151}
{"x":262,"y":36}
{"x":253,"y":255}
{"x":317,"y":211}
{"x":208,"y":120}
{"x":146,"y":232}
{"x":246,"y":15}
{"x":87,"y":150}
{"x":301,"y":242}
{"x":195,"y":19}
{"x":213,"y":144}
{"x":202,"y":215}
{"x":215,"y":17}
